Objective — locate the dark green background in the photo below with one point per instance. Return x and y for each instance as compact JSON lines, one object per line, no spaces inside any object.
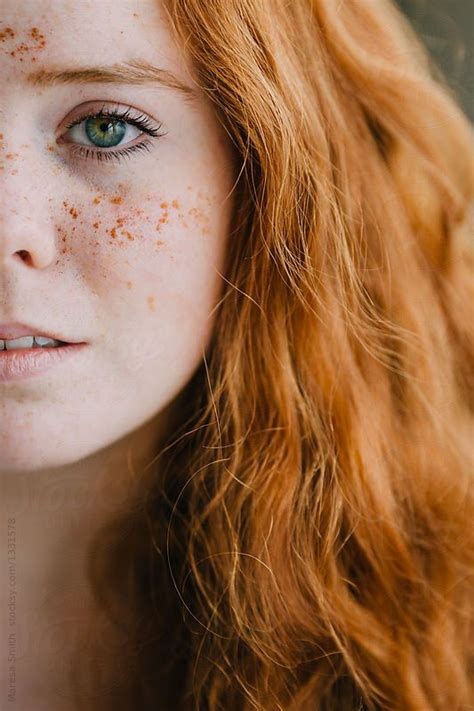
{"x":447,"y":29}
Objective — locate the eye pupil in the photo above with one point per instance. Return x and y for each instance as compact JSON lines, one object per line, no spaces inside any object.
{"x":105,"y":132}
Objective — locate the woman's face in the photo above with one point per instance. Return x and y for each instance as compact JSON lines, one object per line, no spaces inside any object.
{"x":110,"y":233}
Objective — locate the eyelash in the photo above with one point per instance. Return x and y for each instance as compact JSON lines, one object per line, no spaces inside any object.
{"x":142,"y":122}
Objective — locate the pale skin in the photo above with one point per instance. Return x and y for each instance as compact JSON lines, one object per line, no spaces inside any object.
{"x":125,"y":255}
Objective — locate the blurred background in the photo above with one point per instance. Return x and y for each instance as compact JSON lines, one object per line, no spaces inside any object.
{"x":447,"y":29}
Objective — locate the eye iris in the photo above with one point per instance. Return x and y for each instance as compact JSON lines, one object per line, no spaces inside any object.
{"x":104,"y":131}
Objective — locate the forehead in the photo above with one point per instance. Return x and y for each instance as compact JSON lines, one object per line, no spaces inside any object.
{"x":34,"y":33}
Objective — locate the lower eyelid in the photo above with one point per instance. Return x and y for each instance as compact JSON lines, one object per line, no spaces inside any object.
{"x":109,"y":155}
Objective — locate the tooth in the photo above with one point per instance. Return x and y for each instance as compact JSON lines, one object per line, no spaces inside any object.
{"x":24,"y":342}
{"x":45,"y":341}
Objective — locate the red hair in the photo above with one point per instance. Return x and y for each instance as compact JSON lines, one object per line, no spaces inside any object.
{"x":303,"y":538}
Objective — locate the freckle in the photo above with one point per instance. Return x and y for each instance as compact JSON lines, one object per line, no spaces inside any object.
{"x":129,"y":284}
{"x":175,"y":204}
{"x":51,"y":148}
{"x":7,"y":32}
{"x":117,"y":200}
{"x":38,"y":36}
{"x":164,"y":205}
{"x":10,"y":156}
{"x":96,"y":225}
{"x":129,"y":236}
{"x":96,"y":200}
{"x":14,"y":172}
{"x":73,"y":212}
{"x":159,"y":242}
{"x":113,"y":232}
{"x":151,"y":303}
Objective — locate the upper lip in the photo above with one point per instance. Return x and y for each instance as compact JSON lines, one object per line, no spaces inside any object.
{"x":14,"y":329}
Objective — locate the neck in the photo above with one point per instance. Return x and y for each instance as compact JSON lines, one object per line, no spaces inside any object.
{"x":49,"y":518}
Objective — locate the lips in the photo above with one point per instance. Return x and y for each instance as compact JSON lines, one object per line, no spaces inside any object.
{"x":15,"y":329}
{"x":27,"y":363}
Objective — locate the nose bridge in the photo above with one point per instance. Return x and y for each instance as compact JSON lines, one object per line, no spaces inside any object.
{"x":25,"y":223}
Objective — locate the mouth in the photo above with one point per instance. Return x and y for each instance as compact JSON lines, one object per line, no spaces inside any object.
{"x":21,"y":335}
{"x":32,"y":343}
{"x":24,"y":362}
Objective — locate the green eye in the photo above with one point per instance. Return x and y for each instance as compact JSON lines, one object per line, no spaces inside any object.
{"x":104,"y":132}
{"x":110,"y":134}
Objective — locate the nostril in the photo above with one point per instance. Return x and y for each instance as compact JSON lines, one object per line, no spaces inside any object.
{"x":23,"y":254}
{"x":31,"y":258}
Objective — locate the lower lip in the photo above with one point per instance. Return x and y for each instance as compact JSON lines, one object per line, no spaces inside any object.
{"x":24,"y":362}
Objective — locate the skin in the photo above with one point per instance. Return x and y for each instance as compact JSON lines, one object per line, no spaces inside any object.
{"x":126,"y":256}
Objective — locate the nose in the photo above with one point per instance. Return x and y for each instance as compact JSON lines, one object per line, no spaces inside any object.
{"x":27,"y":236}
{"x":23,"y":240}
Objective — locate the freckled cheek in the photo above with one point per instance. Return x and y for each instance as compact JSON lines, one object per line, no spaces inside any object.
{"x":107,"y":227}
{"x":153,"y":256}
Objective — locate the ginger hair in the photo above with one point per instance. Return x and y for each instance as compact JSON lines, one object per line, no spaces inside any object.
{"x":303,"y":538}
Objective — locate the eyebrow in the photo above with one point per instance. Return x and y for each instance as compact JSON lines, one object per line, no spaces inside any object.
{"x":135,"y":72}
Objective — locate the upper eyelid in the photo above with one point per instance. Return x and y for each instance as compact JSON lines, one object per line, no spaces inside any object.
{"x":102,"y":112}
